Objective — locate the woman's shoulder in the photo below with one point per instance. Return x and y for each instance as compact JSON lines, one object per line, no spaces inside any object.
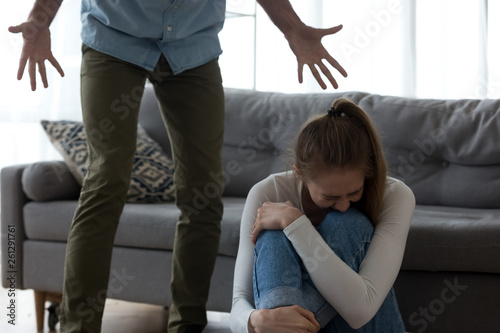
{"x":278,"y":180}
{"x":397,"y":190}
{"x":395,"y":184}
{"x":276,"y":187}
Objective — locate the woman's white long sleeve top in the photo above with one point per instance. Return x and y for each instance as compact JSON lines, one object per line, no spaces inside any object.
{"x":356,"y":296}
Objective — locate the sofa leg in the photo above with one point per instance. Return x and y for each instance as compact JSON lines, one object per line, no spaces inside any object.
{"x":40,"y":298}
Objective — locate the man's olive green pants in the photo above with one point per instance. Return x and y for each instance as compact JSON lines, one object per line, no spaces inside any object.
{"x":192,"y":106}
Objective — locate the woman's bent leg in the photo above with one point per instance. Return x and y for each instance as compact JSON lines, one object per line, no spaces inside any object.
{"x":349,"y":235}
{"x":279,"y":278}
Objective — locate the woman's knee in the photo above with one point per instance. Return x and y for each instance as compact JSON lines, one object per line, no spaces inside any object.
{"x":348,"y":234}
{"x":273,"y":240}
{"x":353,"y":221}
{"x":277,"y":266}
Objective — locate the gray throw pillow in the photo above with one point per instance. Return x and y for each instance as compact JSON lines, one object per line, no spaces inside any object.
{"x":49,"y":180}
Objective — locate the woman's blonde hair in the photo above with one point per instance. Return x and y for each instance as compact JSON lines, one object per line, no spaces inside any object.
{"x":344,"y":137}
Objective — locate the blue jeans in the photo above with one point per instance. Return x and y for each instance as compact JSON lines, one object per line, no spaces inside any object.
{"x":280,"y":278}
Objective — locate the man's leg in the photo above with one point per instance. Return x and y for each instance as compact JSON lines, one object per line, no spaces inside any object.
{"x":192,"y":105}
{"x":110,"y":92}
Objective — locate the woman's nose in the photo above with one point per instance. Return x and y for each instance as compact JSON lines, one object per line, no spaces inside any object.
{"x":342,"y":206}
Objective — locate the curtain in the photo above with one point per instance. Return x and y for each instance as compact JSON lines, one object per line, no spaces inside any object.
{"x":22,"y":137}
{"x":424,"y":48}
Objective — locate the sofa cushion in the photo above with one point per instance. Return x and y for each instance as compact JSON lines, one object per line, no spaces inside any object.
{"x":51,"y":180}
{"x":141,"y":225}
{"x":152,"y":173}
{"x":453,"y":239}
{"x":440,"y":238}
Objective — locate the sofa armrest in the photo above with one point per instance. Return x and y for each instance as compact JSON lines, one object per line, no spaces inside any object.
{"x":12,"y":200}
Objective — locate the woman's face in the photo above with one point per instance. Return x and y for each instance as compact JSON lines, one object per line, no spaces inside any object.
{"x":337,"y":188}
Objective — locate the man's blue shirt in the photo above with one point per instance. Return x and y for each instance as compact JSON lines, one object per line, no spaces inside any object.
{"x":139,"y":31}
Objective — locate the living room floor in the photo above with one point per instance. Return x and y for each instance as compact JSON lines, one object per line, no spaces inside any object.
{"x":119,"y":316}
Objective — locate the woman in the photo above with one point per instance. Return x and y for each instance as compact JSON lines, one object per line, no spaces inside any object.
{"x":321,"y":247}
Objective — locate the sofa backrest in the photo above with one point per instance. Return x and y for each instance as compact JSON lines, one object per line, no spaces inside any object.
{"x":260,"y":130}
{"x":447,"y":151}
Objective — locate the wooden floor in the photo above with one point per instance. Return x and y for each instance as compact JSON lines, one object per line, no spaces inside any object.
{"x":119,"y":316}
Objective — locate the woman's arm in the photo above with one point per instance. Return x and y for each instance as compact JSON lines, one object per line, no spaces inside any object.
{"x":244,"y":318}
{"x":243,"y":304}
{"x":358,"y":296}
{"x":274,"y":216}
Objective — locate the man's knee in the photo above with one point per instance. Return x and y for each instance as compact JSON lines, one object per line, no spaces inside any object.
{"x":199,"y":203}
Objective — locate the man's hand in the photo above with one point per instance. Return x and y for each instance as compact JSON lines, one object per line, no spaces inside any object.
{"x":305,"y":43}
{"x":286,"y":319}
{"x":273,"y":216}
{"x":36,"y":49}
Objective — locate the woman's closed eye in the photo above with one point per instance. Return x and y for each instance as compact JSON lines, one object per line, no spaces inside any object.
{"x":335,"y":198}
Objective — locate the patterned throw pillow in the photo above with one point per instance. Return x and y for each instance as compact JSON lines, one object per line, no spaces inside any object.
{"x":152,"y":173}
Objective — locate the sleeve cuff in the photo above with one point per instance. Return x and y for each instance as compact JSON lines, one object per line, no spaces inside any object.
{"x":297,"y":224}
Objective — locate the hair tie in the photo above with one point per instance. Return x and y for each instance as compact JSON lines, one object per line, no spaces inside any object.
{"x":332,"y":112}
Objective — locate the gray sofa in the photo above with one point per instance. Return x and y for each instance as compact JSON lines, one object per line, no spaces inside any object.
{"x":447,"y":151}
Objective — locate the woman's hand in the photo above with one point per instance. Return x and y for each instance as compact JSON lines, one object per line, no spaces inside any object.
{"x":282,"y":320}
{"x":273,"y":216}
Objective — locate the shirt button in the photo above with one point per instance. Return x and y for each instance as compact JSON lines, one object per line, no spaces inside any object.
{"x":169,"y":28}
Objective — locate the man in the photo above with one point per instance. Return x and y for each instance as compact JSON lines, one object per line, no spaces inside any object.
{"x":174,"y":44}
